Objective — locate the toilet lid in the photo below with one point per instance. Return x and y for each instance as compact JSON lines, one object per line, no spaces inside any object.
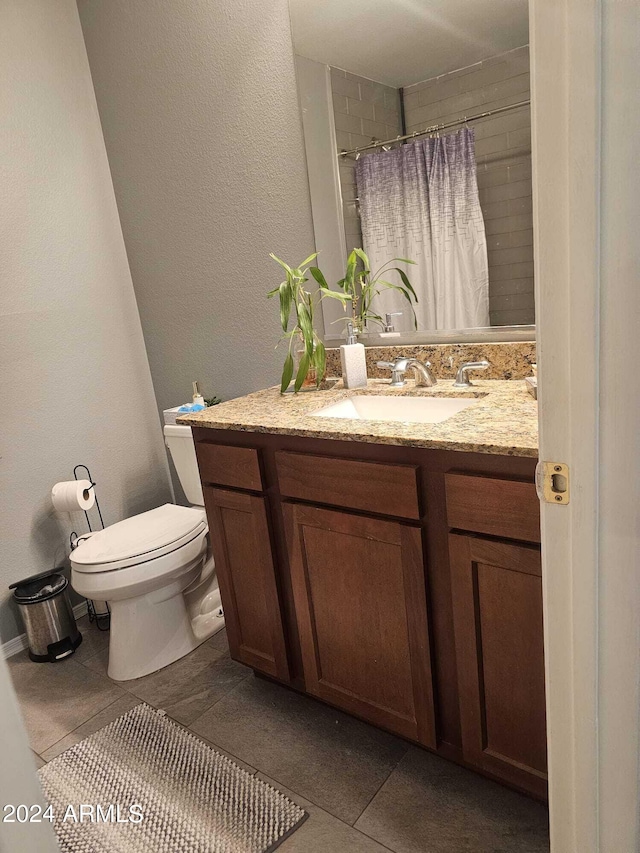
{"x":159,"y":530}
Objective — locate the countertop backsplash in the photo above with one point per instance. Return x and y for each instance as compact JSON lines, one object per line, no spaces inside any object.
{"x":510,"y":360}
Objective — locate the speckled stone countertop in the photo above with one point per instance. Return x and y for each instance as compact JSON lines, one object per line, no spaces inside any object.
{"x":504,"y":421}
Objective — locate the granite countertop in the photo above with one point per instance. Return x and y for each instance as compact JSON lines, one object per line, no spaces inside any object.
{"x":504,"y":421}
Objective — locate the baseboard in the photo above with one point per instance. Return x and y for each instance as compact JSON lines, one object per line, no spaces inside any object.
{"x":18,"y":644}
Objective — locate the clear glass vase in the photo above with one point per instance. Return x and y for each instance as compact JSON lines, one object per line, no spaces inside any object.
{"x":311,"y":380}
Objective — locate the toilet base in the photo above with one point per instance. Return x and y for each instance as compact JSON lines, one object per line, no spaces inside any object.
{"x":154,"y":630}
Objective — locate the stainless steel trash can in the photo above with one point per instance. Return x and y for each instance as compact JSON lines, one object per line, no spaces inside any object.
{"x":51,"y":627}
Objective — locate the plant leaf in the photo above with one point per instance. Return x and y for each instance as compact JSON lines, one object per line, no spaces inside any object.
{"x":404,"y":260}
{"x":320,"y":361}
{"x":306,"y":326}
{"x":287,"y":373}
{"x":309,"y":259}
{"x":282,"y":263}
{"x":285,"y":305}
{"x":363,"y":258}
{"x":333,"y":294}
{"x":319,"y":277}
{"x":406,"y":281}
{"x":303,"y":369}
{"x":397,"y":287}
{"x":352,"y":263}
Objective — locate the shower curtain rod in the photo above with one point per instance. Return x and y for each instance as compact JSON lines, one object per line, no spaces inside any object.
{"x":434,"y":128}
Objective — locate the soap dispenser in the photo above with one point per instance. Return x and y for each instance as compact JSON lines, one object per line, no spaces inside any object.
{"x":198,"y":399}
{"x":354,"y":362}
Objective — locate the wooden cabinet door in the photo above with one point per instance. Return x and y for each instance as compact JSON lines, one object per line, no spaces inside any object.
{"x":497,"y":611}
{"x":242,"y":550}
{"x":360,"y":603}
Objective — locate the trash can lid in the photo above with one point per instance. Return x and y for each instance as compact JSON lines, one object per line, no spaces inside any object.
{"x":39,"y":588}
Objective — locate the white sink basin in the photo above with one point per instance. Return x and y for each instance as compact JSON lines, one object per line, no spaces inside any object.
{"x":421,"y":410}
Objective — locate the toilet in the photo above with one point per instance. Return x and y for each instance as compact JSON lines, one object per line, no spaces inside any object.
{"x":157,"y":574}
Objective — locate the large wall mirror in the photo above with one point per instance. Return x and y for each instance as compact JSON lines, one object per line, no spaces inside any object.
{"x":417,"y":130}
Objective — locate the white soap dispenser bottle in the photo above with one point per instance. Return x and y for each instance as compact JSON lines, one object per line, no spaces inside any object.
{"x":198,"y":399}
{"x":354,"y":362}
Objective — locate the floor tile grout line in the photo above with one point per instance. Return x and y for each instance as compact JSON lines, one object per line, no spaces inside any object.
{"x":121,"y":684}
{"x":383,"y":783}
{"x":217,"y":746}
{"x":375,"y":840}
{"x":94,"y":654}
{"x":224,"y":696}
{"x":322,"y":808}
{"x":83,"y":723}
{"x":207,"y":709}
{"x":304,"y":796}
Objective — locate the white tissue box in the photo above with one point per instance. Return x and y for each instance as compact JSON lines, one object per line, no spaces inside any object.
{"x":170,"y":415}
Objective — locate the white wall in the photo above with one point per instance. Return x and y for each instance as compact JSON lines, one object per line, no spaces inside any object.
{"x":75,"y":383}
{"x":201,"y":122}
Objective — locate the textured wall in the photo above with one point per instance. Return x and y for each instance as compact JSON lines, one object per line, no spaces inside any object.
{"x":503,"y":154}
{"x":75,"y":383}
{"x":200,"y":116}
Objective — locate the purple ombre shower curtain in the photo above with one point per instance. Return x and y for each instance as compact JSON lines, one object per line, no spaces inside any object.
{"x":420,"y":201}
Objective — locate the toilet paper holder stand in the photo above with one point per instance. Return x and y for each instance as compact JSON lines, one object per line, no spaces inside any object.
{"x":102,"y":620}
{"x":93,"y":486}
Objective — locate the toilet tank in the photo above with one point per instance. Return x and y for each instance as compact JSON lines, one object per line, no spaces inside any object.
{"x":179,"y":440}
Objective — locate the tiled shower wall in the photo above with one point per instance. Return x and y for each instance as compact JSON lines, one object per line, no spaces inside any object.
{"x":503,"y":155}
{"x":363,"y":110}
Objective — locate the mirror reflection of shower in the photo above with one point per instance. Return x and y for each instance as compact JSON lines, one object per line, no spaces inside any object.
{"x":422,"y":130}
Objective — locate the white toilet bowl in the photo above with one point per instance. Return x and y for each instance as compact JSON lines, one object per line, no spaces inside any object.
{"x":153,"y":571}
{"x":157,"y":575}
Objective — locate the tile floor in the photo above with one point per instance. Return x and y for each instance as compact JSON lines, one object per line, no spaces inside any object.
{"x":366,"y":791}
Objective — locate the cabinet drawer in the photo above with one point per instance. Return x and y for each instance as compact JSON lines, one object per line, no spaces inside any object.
{"x":506,"y":508}
{"x":369,"y":486}
{"x":225,"y":465}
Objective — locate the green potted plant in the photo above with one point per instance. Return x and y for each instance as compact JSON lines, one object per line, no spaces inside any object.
{"x":305,"y":347}
{"x":306,"y":356}
{"x":360,"y":286}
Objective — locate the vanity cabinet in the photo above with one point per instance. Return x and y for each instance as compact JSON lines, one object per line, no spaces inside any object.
{"x":361,"y":609}
{"x":399,"y":584}
{"x":497,"y":610}
{"x":242,"y":551}
{"x":496,"y":590}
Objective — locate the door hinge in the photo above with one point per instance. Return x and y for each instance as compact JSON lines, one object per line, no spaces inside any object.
{"x":552,"y":482}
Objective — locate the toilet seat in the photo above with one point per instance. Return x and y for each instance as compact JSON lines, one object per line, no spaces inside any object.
{"x":139,"y":539}
{"x":160,"y":575}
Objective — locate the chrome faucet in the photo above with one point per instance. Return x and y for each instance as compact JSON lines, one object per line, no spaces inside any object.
{"x":398,"y":368}
{"x":388,"y":321}
{"x":462,"y":379}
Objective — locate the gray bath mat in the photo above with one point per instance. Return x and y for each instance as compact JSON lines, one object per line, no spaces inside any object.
{"x":191,"y":798}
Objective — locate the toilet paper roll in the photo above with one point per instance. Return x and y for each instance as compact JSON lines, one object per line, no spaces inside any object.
{"x":73,"y":495}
